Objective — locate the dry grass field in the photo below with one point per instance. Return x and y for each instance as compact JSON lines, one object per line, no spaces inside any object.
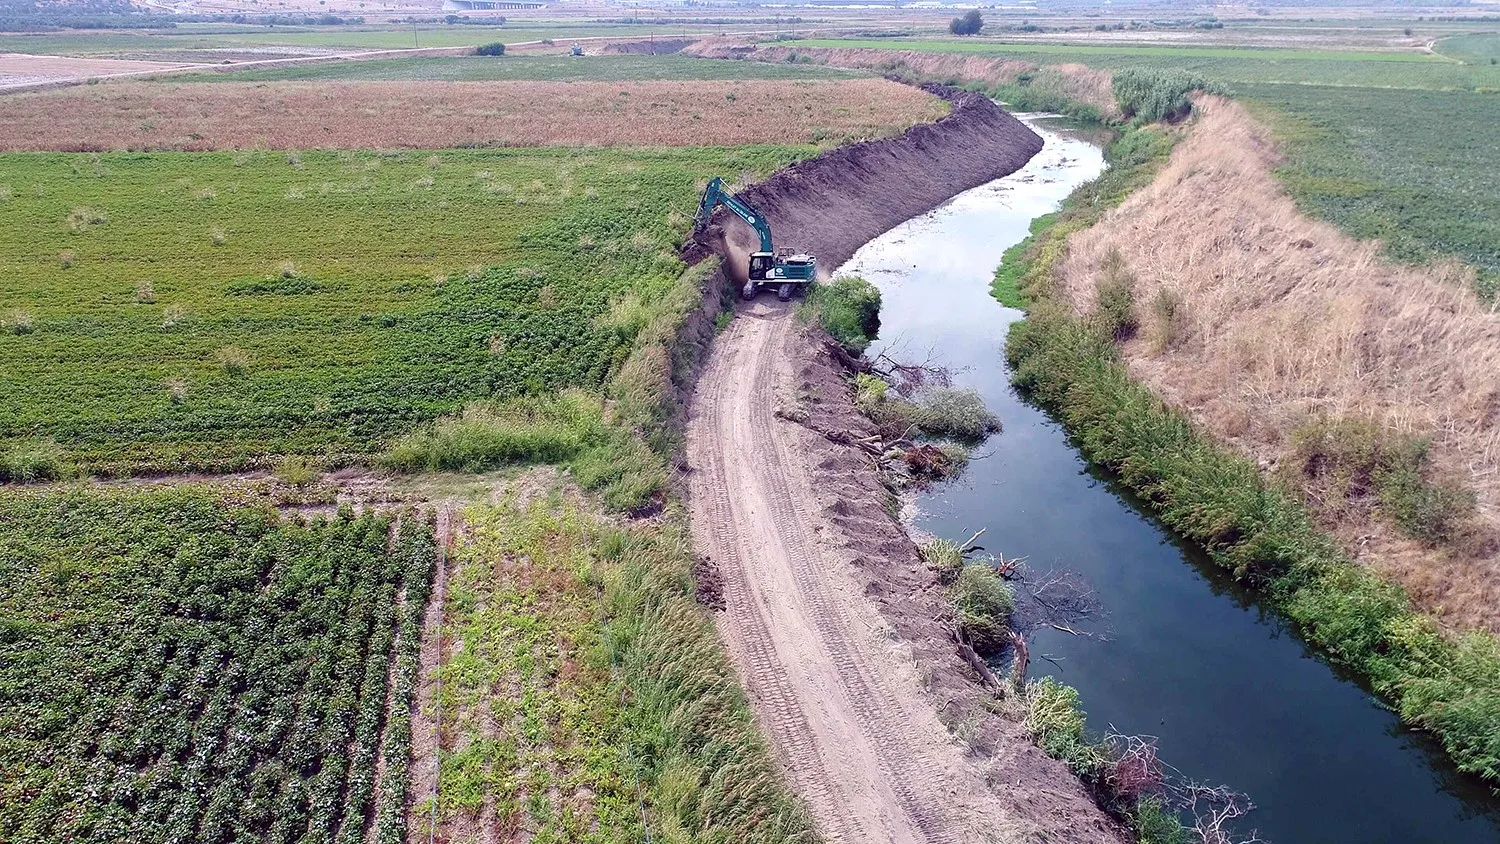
{"x":1257,"y":320}
{"x":436,"y":115}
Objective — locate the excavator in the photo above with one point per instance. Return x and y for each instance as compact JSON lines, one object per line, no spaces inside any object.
{"x":786,"y":269}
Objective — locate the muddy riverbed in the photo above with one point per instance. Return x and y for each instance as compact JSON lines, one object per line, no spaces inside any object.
{"x":1178,"y":652}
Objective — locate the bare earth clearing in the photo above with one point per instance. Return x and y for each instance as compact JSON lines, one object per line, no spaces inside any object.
{"x":431,"y":115}
{"x":818,"y":585}
{"x":17,"y":69}
{"x":1287,"y":318}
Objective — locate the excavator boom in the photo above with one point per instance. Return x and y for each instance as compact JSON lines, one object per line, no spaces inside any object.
{"x":786,"y":270}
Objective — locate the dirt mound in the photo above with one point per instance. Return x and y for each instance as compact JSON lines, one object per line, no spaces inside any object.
{"x":651,"y":47}
{"x":832,"y":204}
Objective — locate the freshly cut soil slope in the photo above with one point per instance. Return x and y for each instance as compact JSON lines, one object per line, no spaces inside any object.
{"x":841,"y":634}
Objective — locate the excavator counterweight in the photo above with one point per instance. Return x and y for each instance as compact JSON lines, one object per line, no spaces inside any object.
{"x":786,"y":269}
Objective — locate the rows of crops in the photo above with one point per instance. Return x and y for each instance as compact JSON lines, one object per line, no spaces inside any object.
{"x":178,"y":668}
{"x":170,"y":311}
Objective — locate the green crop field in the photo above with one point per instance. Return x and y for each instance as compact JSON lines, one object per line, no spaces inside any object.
{"x":171,"y":311}
{"x":174,"y":667}
{"x":1230,"y":65}
{"x":1415,"y":169}
{"x":623,"y":68}
{"x":1480,"y":48}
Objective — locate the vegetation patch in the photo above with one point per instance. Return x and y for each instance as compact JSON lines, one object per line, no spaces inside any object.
{"x":423,"y":282}
{"x":181,"y":667}
{"x":589,"y":700}
{"x":848,"y":308}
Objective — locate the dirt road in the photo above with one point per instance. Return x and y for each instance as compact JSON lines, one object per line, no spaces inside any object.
{"x":830,"y":683}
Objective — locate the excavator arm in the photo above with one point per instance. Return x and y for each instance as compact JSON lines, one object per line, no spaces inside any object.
{"x":714,"y":196}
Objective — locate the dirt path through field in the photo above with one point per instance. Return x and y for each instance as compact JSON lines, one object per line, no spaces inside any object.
{"x":859,"y":742}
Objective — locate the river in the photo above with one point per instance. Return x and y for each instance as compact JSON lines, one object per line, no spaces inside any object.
{"x":1233,"y":696}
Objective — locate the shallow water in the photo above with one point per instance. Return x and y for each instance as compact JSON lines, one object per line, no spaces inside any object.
{"x":1233,"y":696}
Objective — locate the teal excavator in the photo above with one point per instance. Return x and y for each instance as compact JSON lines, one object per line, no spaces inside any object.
{"x":786,"y":269}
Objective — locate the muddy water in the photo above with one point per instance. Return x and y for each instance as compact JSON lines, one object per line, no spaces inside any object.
{"x":1233,"y":696}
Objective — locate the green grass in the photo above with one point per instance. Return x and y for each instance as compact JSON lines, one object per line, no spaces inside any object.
{"x":1412,"y":168}
{"x":1479,"y":48}
{"x":589,"y":693}
{"x":177,"y":667}
{"x":546,"y":68}
{"x":321,"y":303}
{"x":375,"y":37}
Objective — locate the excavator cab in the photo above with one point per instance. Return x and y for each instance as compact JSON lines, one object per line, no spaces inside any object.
{"x":761,"y":266}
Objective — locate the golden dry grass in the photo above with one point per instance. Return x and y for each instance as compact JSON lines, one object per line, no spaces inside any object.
{"x":1283,"y":318}
{"x":1078,"y":82}
{"x":431,"y":115}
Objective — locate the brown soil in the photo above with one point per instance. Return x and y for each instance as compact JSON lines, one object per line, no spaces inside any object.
{"x":1284,"y":318}
{"x":842,"y":635}
{"x":18,"y":69}
{"x":1075,"y":81}
{"x":431,"y":115}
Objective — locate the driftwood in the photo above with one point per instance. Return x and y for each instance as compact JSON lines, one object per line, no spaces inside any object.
{"x":975,"y":661}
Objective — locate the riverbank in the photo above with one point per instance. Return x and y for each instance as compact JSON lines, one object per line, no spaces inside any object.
{"x":1069,"y":359}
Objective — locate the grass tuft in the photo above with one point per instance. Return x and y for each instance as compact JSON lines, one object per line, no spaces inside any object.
{"x":32,"y":460}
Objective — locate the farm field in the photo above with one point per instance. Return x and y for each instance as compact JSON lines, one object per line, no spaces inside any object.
{"x":191,"y":37}
{"x":608,"y":68}
{"x":431,"y":115}
{"x":1396,"y":146}
{"x":1230,"y":65}
{"x":177,"y":666}
{"x":1479,"y":48}
{"x":178,"y":311}
{"x":1423,"y":184}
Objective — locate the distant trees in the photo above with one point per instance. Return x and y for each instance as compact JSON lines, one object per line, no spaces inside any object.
{"x":492,"y":49}
{"x":969,"y":23}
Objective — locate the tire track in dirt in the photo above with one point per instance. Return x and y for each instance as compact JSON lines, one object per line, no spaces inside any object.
{"x":859,"y":743}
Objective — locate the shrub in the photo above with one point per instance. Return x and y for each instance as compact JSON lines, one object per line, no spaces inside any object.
{"x":173,"y":316}
{"x":983,"y":602}
{"x":945,"y":557}
{"x":1114,"y":309}
{"x":66,"y":259}
{"x":529,"y":430}
{"x":494,"y":48}
{"x":233,"y":360}
{"x":969,"y":23}
{"x":32,"y":460}
{"x":1055,"y":721}
{"x":950,"y":412}
{"x":1149,"y":94}
{"x":849,"y":310}
{"x":296,"y":471}
{"x":20,"y":321}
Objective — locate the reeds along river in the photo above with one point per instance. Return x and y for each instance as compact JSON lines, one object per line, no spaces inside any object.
{"x":1179,"y":652}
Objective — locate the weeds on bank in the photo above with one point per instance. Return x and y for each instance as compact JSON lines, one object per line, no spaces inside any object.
{"x":620,"y":708}
{"x":848,"y":308}
{"x":1259,"y":532}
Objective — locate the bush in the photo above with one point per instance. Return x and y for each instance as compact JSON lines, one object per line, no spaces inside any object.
{"x":969,"y":23}
{"x":945,"y":557}
{"x":31,"y":460}
{"x":1114,"y":308}
{"x":983,"y":602}
{"x":494,"y":48}
{"x":949,"y":412}
{"x":530,"y":430}
{"x":1149,"y":94}
{"x":849,"y":310}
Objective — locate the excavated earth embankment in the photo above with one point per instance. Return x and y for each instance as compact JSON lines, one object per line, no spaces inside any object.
{"x":842,"y":636}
